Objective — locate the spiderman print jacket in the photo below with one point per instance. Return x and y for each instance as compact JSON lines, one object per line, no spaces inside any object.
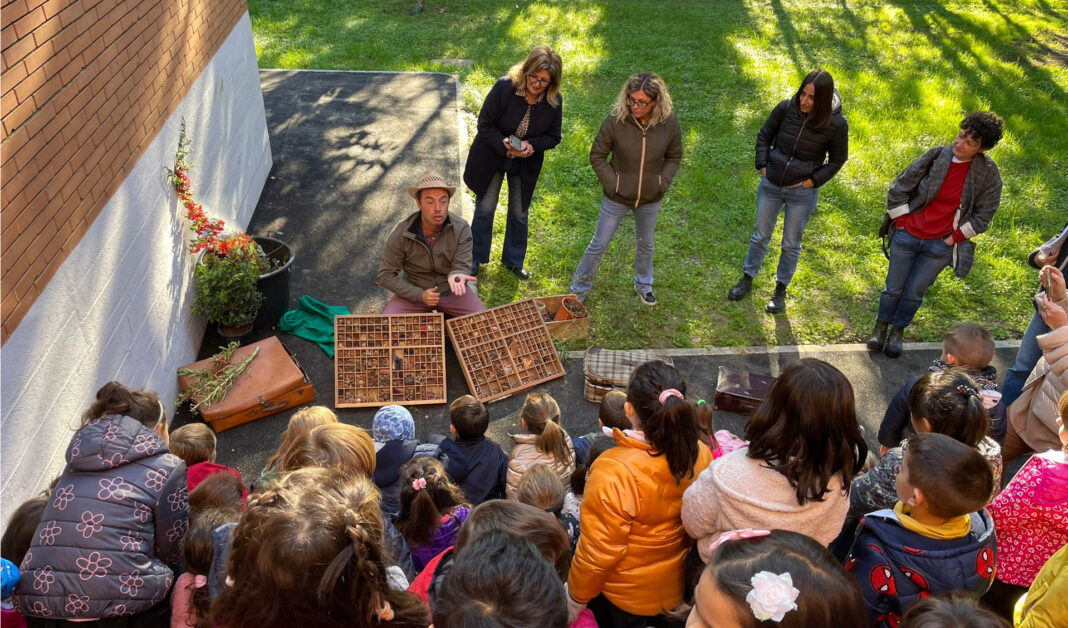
{"x":896,"y":567}
{"x":108,"y":543}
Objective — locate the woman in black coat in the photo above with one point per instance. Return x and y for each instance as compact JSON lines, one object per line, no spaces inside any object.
{"x":525,"y":105}
{"x":802,"y":145}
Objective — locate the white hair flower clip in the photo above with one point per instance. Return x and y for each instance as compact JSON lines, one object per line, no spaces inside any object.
{"x":773,"y":595}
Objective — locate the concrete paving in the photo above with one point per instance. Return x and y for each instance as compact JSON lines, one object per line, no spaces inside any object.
{"x":346,"y":147}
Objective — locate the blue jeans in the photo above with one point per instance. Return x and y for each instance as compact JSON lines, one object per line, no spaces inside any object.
{"x":799,"y":202}
{"x":515,"y":228}
{"x":611,"y":215}
{"x":914,"y":266}
{"x":1026,"y":358}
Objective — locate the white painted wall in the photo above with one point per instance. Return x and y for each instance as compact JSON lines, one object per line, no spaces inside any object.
{"x":118,"y":308}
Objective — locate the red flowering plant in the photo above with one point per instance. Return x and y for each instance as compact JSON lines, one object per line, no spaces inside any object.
{"x":226,"y":276}
{"x":210,"y":234}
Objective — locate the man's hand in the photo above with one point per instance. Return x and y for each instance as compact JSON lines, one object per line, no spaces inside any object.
{"x":1052,"y":280}
{"x":808,"y":183}
{"x":949,"y":240}
{"x":430,"y":297}
{"x":763,"y":172}
{"x":458,"y":283}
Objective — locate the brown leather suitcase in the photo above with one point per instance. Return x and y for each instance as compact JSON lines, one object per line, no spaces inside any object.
{"x":741,"y":391}
{"x":273,"y":382}
{"x":608,"y":369}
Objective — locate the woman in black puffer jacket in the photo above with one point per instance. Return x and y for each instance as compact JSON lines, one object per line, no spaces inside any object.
{"x":801,"y":146}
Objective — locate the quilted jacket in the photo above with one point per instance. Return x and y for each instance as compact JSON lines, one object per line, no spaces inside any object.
{"x":896,"y":566}
{"x":1034,"y":413}
{"x":793,"y":151}
{"x":108,"y":543}
{"x":1046,"y":602}
{"x":525,"y":455}
{"x":633,"y":547}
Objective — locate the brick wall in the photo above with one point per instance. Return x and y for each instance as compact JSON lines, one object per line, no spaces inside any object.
{"x":86,"y":85}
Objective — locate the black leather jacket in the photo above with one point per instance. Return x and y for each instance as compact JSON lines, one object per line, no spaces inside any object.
{"x":793,"y":151}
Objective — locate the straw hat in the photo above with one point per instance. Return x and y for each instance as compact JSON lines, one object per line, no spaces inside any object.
{"x":431,"y":180}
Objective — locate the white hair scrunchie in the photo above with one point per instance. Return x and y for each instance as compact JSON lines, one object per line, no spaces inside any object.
{"x":773,"y":595}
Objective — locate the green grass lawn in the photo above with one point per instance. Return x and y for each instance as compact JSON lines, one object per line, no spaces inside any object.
{"x":908,"y":71}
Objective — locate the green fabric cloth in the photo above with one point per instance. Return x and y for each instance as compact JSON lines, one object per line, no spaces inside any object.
{"x":313,"y":320}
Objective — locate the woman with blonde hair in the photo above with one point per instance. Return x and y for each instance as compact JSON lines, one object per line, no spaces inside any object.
{"x":643,"y":137}
{"x":545,"y":441}
{"x":518,"y":122}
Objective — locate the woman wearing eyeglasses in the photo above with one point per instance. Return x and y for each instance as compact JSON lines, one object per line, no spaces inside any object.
{"x":524,"y":105}
{"x":802,"y":145}
{"x":643,"y":137}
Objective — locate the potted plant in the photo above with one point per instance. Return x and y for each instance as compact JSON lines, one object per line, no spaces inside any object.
{"x":226,"y":289}
{"x":224,"y":294}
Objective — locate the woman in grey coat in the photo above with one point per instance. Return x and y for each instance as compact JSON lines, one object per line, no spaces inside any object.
{"x":934,"y":209}
{"x":108,"y":543}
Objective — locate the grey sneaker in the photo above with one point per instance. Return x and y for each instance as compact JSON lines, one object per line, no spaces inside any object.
{"x":647,"y":297}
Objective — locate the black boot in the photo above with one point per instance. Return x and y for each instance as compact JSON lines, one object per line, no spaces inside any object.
{"x":740,"y":289}
{"x":878,"y":337}
{"x":893,"y":342}
{"x":778,"y":300}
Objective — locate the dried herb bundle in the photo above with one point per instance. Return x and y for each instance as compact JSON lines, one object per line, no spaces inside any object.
{"x":211,"y":385}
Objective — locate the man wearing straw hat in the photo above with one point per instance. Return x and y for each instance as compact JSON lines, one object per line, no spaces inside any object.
{"x":428,"y":256}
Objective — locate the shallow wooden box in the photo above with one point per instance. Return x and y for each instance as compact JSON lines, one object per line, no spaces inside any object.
{"x":504,"y":350}
{"x":389,"y":358}
{"x":571,"y":329}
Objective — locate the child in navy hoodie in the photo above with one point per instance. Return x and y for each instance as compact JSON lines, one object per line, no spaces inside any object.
{"x":938,"y":537}
{"x":969,"y":348}
{"x":487,"y":464}
{"x":393,"y":432}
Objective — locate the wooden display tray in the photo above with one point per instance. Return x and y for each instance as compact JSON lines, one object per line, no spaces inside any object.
{"x":504,"y":350}
{"x":389,"y":358}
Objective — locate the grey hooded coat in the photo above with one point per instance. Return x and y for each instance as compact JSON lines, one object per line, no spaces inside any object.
{"x":108,"y":543}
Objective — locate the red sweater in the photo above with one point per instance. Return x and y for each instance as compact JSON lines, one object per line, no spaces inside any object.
{"x":936,"y":220}
{"x":195,"y":474}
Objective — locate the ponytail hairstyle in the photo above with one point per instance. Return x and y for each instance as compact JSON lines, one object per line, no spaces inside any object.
{"x":198,"y":547}
{"x":706,"y":427}
{"x":114,"y":398}
{"x":950,"y":402}
{"x":670,"y":425}
{"x":542,"y":416}
{"x":427,"y":494}
{"x":581,"y":473}
{"x":302,"y":422}
{"x":541,"y":487}
{"x":827,"y":594}
{"x":807,"y":429}
{"x":308,"y":551}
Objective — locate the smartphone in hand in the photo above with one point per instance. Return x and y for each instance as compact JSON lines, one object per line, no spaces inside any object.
{"x":515,"y":143}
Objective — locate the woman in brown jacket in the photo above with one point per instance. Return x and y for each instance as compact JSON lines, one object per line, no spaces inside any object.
{"x":629,"y":562}
{"x":644,"y":139}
